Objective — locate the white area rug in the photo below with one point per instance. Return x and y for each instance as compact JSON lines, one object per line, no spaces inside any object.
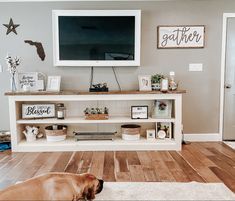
{"x":230,"y":143}
{"x":164,"y":191}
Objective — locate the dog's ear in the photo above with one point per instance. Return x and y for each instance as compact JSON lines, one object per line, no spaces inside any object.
{"x":89,"y":193}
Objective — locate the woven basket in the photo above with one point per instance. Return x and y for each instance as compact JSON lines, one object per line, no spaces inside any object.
{"x":131,"y":129}
{"x":62,"y":130}
{"x":96,"y":116}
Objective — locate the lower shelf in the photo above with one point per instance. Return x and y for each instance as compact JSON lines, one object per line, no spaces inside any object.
{"x":118,"y":144}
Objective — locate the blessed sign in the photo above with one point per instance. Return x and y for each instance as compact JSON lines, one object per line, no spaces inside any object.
{"x":180,"y":36}
{"x":38,"y":111}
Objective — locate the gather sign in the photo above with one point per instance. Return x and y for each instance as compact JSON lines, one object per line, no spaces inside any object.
{"x":32,"y":111}
{"x":180,"y":36}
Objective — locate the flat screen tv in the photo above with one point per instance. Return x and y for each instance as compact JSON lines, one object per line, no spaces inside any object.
{"x":96,"y":37}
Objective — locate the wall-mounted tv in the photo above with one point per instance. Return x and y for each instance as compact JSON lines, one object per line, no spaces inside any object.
{"x":96,"y":37}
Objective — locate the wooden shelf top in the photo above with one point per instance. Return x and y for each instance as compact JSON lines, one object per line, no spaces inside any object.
{"x":74,"y":92}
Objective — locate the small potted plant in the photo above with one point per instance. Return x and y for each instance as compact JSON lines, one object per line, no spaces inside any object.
{"x":156,"y":81}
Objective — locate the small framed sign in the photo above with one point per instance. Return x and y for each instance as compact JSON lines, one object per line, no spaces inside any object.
{"x":31,"y":81}
{"x":37,"y":111}
{"x":139,"y":112}
{"x":145,"y":83}
{"x":28,"y":80}
{"x":181,"y":36}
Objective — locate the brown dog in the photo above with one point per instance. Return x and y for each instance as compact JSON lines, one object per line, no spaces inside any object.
{"x":55,"y":186}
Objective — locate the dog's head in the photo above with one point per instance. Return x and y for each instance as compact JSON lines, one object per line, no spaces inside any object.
{"x":92,"y":186}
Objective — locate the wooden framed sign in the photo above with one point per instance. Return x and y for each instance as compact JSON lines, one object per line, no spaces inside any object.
{"x":183,"y":36}
{"x":37,"y":111}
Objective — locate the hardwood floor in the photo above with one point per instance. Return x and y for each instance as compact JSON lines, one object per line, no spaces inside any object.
{"x":201,"y":162}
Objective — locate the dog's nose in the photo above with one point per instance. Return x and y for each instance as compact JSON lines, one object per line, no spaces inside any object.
{"x":101,"y":181}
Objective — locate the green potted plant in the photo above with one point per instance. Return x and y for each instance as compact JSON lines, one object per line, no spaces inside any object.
{"x":156,"y":81}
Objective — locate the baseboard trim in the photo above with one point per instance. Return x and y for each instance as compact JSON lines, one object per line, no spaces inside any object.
{"x":204,"y":137}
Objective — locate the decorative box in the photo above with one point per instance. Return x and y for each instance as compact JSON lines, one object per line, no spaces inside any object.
{"x":96,"y":116}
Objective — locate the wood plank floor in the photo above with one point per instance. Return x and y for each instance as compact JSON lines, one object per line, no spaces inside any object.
{"x":201,"y":162}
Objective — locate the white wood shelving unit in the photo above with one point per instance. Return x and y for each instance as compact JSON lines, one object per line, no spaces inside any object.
{"x":81,"y":120}
{"x":17,"y":124}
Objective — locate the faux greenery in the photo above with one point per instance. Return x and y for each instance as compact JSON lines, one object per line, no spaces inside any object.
{"x":12,"y":64}
{"x":157,"y":78}
{"x":96,"y":110}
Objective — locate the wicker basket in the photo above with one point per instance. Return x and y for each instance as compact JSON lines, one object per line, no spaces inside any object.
{"x":96,"y":116}
{"x":131,"y":132}
{"x":56,"y":135}
{"x":131,"y":129}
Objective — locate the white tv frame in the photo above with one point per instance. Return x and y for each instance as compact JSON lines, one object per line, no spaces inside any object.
{"x":58,"y":62}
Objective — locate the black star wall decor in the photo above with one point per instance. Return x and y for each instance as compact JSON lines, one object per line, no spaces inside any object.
{"x":11,"y":27}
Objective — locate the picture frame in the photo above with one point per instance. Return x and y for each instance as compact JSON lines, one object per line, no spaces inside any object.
{"x":145,"y":83}
{"x":139,"y":112}
{"x":27,"y":81}
{"x":38,"y":111}
{"x":180,"y":36}
{"x":162,"y":109}
{"x":150,"y":134}
{"x":167,"y":127}
{"x":53,"y":83}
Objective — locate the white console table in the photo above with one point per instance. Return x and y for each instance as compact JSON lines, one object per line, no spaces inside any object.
{"x":17,"y":124}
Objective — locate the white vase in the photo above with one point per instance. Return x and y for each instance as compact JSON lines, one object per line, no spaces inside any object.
{"x":13,"y":83}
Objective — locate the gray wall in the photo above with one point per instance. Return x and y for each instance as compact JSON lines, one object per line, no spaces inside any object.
{"x":200,"y":104}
